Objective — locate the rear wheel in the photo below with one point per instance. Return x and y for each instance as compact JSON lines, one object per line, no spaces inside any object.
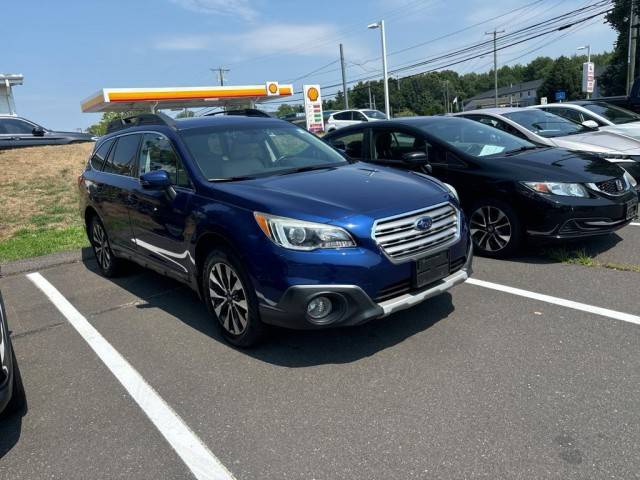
{"x":495,"y":229}
{"x":231,"y":299}
{"x":18,"y":400}
{"x":107,"y":262}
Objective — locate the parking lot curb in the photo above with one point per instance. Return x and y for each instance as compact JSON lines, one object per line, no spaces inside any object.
{"x":33,"y":264}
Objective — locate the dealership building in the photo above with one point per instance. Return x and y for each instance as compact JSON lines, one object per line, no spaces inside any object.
{"x":517,"y":95}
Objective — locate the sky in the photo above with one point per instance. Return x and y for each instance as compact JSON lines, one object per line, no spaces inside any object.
{"x":69,"y":49}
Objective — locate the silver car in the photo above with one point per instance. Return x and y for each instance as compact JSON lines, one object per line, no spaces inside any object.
{"x":545,"y":128}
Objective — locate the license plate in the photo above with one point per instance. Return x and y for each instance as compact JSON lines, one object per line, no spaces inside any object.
{"x":430,"y":269}
{"x":632,"y":210}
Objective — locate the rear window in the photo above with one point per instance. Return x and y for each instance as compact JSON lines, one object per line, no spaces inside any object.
{"x":612,"y":113}
{"x":97,"y":160}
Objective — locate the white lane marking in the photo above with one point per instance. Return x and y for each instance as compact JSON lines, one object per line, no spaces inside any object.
{"x":194,"y":453}
{"x":635,"y":224}
{"x":605,"y":312}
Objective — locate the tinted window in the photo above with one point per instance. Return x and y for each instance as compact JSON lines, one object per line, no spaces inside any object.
{"x":567,"y":113}
{"x":342,"y":116}
{"x":351,"y":144}
{"x":359,"y":117}
{"x":496,"y":123}
{"x":474,"y":138}
{"x":97,"y":160}
{"x":157,"y":153}
{"x":122,"y":158}
{"x":392,"y":145}
{"x":15,"y":126}
{"x":612,"y":113}
{"x":546,"y":124}
{"x":224,"y":153}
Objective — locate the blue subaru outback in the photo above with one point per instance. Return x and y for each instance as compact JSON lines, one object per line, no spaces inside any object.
{"x":268,"y":223}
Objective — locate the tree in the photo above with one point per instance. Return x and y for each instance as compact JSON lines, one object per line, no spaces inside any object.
{"x":186,"y":113}
{"x":100,"y":128}
{"x":286,"y":109}
{"x":614,"y":80}
{"x":564,"y":75}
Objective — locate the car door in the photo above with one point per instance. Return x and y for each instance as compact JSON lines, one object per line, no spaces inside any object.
{"x":159,"y":218}
{"x":15,"y":132}
{"x":118,"y":182}
{"x":7,"y":139}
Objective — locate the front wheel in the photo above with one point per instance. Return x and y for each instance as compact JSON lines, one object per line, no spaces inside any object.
{"x":495,"y":229}
{"x":231,"y":299}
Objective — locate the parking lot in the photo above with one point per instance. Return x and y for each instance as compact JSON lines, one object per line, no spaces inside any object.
{"x":530,"y":370}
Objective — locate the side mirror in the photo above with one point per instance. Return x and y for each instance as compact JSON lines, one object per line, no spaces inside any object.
{"x":591,"y":124}
{"x":38,"y":132}
{"x":155,"y":180}
{"x":415,"y":158}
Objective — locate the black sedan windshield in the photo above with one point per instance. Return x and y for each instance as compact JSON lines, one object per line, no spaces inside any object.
{"x":546,"y":124}
{"x":612,"y":113}
{"x":475,"y":138}
{"x":237,"y":153}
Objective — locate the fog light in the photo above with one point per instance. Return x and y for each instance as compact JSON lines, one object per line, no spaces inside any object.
{"x":319,"y":307}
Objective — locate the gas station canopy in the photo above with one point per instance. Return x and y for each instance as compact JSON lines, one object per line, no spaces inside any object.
{"x":124,"y":99}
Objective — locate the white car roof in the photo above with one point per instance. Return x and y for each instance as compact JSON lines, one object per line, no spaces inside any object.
{"x":493,"y":111}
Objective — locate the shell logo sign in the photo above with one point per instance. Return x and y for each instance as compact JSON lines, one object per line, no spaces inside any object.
{"x":313,"y":108}
{"x":272,"y":89}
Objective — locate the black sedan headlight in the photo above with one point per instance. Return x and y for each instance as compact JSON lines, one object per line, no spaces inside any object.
{"x":558,"y":188}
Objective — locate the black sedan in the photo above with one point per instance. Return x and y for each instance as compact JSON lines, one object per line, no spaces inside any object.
{"x":510,"y":188}
{"x":18,"y":132}
{"x":12,"y":397}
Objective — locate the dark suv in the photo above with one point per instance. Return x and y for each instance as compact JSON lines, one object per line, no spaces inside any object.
{"x":18,"y":132}
{"x":270,"y":224}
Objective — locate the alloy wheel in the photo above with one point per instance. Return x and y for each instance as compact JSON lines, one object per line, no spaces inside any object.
{"x":228,"y":298}
{"x":490,"y":228}
{"x":101,"y":246}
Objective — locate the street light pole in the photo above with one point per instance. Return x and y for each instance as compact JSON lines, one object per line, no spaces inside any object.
{"x":588,"y":49}
{"x":385,"y":74}
{"x":495,"y":61}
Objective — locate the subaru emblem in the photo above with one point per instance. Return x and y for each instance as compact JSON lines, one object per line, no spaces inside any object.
{"x":423,"y":223}
{"x":619,"y":185}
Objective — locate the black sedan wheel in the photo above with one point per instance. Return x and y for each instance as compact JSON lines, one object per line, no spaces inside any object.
{"x":495,"y":229}
{"x":107,"y":262}
{"x":231,"y":300}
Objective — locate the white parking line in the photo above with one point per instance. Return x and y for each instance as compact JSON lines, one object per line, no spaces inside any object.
{"x":635,"y":224}
{"x":194,"y":453}
{"x":605,"y":312}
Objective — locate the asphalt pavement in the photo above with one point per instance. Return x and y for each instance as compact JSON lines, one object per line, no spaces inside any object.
{"x":475,"y":383}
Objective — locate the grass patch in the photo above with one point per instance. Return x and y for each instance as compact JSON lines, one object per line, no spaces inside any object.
{"x":42,"y":241}
{"x":581,"y":257}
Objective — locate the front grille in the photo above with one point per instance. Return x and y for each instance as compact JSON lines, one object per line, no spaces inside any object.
{"x":400,"y":239}
{"x":615,"y":186}
{"x":393,"y":291}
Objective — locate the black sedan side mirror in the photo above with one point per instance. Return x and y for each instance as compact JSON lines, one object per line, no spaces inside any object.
{"x":417,"y":159}
{"x":38,"y":132}
{"x":155,"y":180}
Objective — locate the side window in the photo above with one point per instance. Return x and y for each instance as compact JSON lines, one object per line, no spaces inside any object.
{"x":157,"y":153}
{"x":17,"y":127}
{"x":351,"y":144}
{"x":97,"y":160}
{"x":342,"y":116}
{"x":392,"y":145}
{"x":122,"y":158}
{"x":568,"y":114}
{"x":359,"y":116}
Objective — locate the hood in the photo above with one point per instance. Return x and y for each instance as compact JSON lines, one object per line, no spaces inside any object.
{"x":631,"y":130}
{"x":599,"y":141}
{"x":339,"y":192}
{"x":557,"y":165}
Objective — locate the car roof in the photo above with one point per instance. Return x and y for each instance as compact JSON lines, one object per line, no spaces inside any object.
{"x":494,"y":111}
{"x":415,"y":122}
{"x":227,"y":120}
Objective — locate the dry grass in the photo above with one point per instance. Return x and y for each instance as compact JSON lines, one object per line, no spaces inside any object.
{"x":38,"y":187}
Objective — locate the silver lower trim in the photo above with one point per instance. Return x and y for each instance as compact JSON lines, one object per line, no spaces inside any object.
{"x":409,"y":300}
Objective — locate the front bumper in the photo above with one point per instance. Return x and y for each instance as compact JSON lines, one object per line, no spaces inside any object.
{"x":352,"y":305}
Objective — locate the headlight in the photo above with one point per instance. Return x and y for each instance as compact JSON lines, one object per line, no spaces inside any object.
{"x":630,"y":180}
{"x":301,"y":235}
{"x":453,"y":191}
{"x":555,"y":188}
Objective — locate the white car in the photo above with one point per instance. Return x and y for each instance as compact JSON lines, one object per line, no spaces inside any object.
{"x":545,"y":128}
{"x":602,"y":115}
{"x":344,"y":118}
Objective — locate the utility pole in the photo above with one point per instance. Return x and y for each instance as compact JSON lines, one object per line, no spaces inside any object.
{"x":221,"y":72}
{"x":344,"y":80}
{"x":633,"y":40}
{"x":495,"y":61}
{"x":370,"y":102}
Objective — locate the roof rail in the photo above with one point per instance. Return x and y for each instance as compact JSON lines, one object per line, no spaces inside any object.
{"x":245,"y":112}
{"x":141,"y":119}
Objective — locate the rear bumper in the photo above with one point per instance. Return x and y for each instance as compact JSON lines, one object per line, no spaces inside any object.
{"x":6,"y":361}
{"x":352,"y":306}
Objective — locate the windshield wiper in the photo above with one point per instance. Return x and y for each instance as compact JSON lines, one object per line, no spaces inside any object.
{"x":308,"y":168}
{"x":524,"y":148}
{"x":233,"y":179}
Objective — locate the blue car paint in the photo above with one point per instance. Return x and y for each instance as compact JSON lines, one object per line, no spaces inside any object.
{"x":165,"y":234}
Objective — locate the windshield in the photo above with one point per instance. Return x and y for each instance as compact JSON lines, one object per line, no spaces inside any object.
{"x":612,"y":113}
{"x":377,"y":114}
{"x":475,"y":138}
{"x":546,"y":124}
{"x":235,"y":153}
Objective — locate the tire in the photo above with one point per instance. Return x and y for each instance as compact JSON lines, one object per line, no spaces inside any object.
{"x":496,"y":230}
{"x":108,"y":264}
{"x":18,"y":402}
{"x":231,"y":299}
